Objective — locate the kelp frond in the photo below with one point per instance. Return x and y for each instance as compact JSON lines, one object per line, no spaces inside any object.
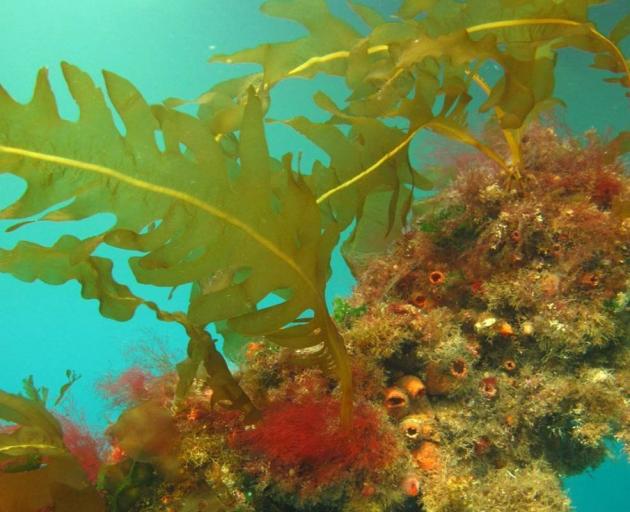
{"x":612,"y":47}
{"x":176,"y":206}
{"x":313,"y":61}
{"x":411,"y":67}
{"x":35,"y":464}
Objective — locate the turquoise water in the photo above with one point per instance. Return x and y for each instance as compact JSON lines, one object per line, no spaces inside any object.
{"x":162,"y":48}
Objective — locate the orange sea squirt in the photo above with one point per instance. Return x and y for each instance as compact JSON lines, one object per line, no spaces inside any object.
{"x":437,"y":277}
{"x":414,"y":387}
{"x":419,"y":427}
{"x":589,"y":280}
{"x":509,"y":365}
{"x":396,"y":400}
{"x":427,"y":456}
{"x":505,"y":329}
{"x":459,"y":368}
{"x":488,"y":387}
{"x":419,"y":300}
{"x":368,"y":490}
{"x":411,"y":485}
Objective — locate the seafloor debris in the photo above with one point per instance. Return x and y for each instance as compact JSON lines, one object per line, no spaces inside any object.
{"x":494,"y":365}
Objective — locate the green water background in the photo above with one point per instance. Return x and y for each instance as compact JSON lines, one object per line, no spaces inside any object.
{"x":162,"y":47}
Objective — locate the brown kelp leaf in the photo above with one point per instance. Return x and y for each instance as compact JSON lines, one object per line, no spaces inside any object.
{"x":621,"y":30}
{"x":233,"y":343}
{"x":446,"y":16}
{"x":29,"y":413}
{"x":70,"y":259}
{"x":202,"y":354}
{"x":193,"y":210}
{"x":520,"y":37}
{"x":222,"y":107}
{"x":371,"y":17}
{"x":327,"y":34}
{"x":68,"y":499}
{"x":148,"y":433}
{"x":376,"y":231}
{"x":377,"y":188}
{"x":407,"y":68}
{"x":523,"y":86}
{"x":411,"y":8}
{"x":59,"y":483}
{"x":26,"y":483}
{"x":367,"y":142}
{"x":27,"y":440}
{"x":528,"y":36}
{"x":375,"y":155}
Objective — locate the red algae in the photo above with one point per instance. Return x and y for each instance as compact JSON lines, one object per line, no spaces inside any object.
{"x":308,"y":438}
{"x":605,"y":189}
{"x":83,"y":446}
{"x":131,"y":386}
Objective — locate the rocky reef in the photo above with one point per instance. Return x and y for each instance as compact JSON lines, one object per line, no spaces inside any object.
{"x":489,"y":351}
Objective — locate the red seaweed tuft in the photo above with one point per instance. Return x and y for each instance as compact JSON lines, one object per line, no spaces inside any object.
{"x":85,"y":448}
{"x":131,"y":386}
{"x":308,"y":438}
